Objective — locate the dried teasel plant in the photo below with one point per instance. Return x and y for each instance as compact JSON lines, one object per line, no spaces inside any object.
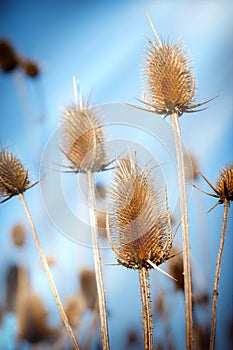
{"x":139,"y":229}
{"x":32,"y":320}
{"x":223,"y":190}
{"x":83,"y":144}
{"x":14,"y":180}
{"x":169,"y":89}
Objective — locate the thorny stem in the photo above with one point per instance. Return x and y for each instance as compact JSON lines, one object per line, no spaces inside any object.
{"x":48,"y":273}
{"x":146,"y":308}
{"x":97,"y":262}
{"x":217,"y":275}
{"x":185,"y":231}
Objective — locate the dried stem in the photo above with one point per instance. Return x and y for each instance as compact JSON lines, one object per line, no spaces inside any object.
{"x":97,"y":262}
{"x":146,"y":308}
{"x":48,"y":273}
{"x":185,"y":232}
{"x":217,"y":275}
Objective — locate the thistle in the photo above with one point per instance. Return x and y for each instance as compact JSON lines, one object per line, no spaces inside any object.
{"x":223,"y":190}
{"x":83,"y":145}
{"x":169,"y":89}
{"x":139,"y":230}
{"x":14,"y":180}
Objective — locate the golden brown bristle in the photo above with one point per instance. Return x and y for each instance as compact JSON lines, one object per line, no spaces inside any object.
{"x":18,"y":234}
{"x":169,"y":84}
{"x":83,"y":139}
{"x":224,"y":184}
{"x":138,"y":224}
{"x":13,"y":177}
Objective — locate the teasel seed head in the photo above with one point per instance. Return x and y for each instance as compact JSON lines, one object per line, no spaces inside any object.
{"x":168,"y":80}
{"x":83,"y":138}
{"x":138,"y":224}
{"x":14,"y":178}
{"x":224,"y":185}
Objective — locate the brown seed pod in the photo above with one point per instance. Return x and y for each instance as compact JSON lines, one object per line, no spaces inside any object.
{"x":18,"y":235}
{"x":83,"y":139}
{"x":13,"y":177}
{"x":168,"y":81}
{"x":88,"y":287}
{"x":138,"y":223}
{"x":8,"y":57}
{"x":30,"y":67}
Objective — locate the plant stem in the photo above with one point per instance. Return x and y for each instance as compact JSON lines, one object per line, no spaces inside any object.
{"x":217,"y":275}
{"x":48,"y":273}
{"x":97,"y":262}
{"x":146,"y":308}
{"x":185,"y":232}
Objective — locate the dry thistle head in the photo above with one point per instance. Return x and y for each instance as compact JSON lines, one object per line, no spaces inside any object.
{"x":224,"y":185}
{"x":138,"y":223}
{"x":18,"y":235}
{"x":14,"y":178}
{"x":168,"y":79}
{"x":83,"y":138}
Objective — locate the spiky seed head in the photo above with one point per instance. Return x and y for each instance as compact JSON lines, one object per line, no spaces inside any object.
{"x":13,"y":176}
{"x":224,"y":183}
{"x":18,"y":234}
{"x":168,"y":80}
{"x":83,"y":139}
{"x":138,"y":223}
